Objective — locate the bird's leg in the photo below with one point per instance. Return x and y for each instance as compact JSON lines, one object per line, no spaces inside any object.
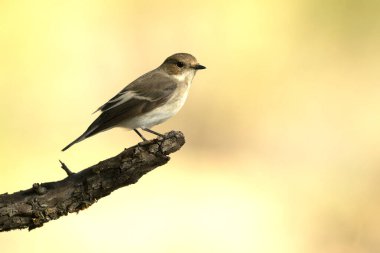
{"x":139,"y":134}
{"x":152,"y":132}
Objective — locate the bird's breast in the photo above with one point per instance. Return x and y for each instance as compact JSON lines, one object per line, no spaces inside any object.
{"x":162,"y":113}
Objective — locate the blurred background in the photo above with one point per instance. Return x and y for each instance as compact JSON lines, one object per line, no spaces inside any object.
{"x":282,"y":129}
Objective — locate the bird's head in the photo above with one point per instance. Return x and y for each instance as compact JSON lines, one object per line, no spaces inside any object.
{"x":181,"y":66}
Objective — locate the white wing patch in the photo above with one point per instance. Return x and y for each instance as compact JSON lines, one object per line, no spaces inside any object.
{"x":125,"y":96}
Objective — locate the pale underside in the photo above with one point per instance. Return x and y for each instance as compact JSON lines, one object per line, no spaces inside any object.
{"x":160,"y":114}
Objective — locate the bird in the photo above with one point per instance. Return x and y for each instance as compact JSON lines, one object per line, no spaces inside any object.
{"x":149,"y":100}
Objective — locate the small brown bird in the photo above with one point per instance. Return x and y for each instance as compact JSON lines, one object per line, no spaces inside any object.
{"x":149,"y":100}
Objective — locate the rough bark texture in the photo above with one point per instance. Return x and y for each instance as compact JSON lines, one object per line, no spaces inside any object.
{"x":48,"y":201}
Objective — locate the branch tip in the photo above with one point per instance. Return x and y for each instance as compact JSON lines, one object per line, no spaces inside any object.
{"x":66,"y":169}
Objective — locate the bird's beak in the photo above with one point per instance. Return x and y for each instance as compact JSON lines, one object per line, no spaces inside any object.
{"x":198,"y":67}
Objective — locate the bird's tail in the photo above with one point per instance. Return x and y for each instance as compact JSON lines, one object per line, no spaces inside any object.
{"x":91,"y":130}
{"x":80,"y":138}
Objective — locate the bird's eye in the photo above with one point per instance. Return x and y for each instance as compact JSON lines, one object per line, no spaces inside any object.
{"x":180,"y":64}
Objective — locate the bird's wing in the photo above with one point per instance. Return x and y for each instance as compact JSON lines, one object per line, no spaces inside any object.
{"x":151,"y":82}
{"x":141,"y":96}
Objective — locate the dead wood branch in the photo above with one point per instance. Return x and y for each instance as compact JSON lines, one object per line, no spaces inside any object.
{"x":48,"y":201}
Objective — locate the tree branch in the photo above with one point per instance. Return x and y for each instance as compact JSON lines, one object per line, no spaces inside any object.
{"x":48,"y":201}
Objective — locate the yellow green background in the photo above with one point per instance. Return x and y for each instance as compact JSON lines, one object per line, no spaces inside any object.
{"x":282,"y":129}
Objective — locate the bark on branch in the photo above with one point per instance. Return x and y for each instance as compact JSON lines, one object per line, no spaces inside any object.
{"x":48,"y":201}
